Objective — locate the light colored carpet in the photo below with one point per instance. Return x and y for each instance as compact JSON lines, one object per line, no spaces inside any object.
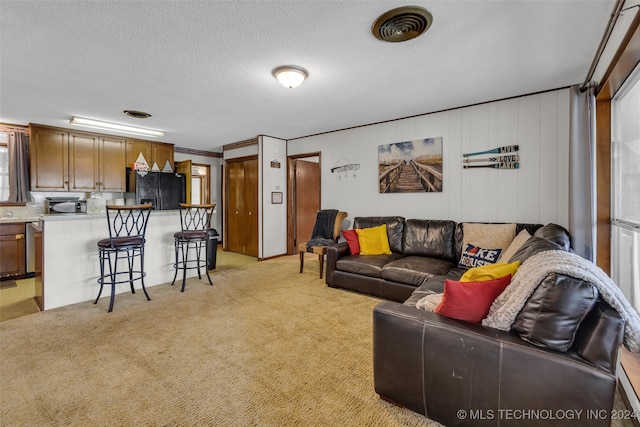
{"x":264,"y":346}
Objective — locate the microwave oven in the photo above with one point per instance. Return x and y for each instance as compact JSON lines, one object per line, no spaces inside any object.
{"x":65,"y":205}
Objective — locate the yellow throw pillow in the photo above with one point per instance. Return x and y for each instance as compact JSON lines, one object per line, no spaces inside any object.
{"x":490,"y":272}
{"x":373,"y":240}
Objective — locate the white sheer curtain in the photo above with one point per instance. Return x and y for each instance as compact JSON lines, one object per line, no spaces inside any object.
{"x":582,"y":184}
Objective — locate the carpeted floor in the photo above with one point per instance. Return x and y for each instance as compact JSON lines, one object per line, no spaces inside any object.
{"x":265,"y":346}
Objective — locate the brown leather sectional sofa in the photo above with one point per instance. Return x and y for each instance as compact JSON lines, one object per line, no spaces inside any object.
{"x":465,"y":374}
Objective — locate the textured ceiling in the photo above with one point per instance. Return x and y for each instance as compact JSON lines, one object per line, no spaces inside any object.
{"x":203,"y":69}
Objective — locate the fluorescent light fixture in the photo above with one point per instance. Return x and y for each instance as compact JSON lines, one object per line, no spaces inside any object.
{"x":290,"y":76}
{"x":97,"y":124}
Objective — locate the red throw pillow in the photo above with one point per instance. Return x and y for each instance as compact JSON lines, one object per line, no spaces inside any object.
{"x":470,"y":301}
{"x":352,"y":240}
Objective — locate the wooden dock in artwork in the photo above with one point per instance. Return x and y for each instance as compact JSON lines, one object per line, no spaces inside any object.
{"x":411,"y":177}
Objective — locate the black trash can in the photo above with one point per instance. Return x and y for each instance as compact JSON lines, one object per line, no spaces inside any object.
{"x":212,"y":248}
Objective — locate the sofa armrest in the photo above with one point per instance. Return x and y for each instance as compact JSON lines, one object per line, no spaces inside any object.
{"x":334,"y":253}
{"x":438,"y":366}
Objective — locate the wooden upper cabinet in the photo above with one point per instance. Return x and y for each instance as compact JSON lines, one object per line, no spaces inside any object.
{"x":134,"y":148}
{"x":112,"y":157}
{"x":66,"y":160}
{"x":162,"y":153}
{"x":49,"y":159}
{"x":158,"y":152}
{"x":84,"y":162}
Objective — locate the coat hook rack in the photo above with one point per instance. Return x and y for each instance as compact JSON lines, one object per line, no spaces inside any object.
{"x":348,"y":166}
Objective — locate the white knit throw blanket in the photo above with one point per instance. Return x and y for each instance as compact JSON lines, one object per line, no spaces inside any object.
{"x":506,"y":307}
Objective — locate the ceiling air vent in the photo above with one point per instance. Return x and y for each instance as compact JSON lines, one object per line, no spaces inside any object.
{"x":136,"y":114}
{"x":401,"y":24}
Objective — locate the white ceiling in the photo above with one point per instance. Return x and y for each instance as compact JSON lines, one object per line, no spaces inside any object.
{"x":203,"y":68}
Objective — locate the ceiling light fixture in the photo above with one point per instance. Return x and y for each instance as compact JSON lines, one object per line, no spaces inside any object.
{"x":97,"y":124}
{"x":290,"y":76}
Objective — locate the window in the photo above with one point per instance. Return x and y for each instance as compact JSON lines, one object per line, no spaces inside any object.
{"x":625,"y":191}
{"x":626,"y":152}
{"x":200,"y":183}
{"x":4,"y":167}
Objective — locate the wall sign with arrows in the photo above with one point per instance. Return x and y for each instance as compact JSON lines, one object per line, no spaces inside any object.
{"x":505,"y":157}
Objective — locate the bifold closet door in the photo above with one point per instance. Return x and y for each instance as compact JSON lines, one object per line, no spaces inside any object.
{"x":242,"y":216}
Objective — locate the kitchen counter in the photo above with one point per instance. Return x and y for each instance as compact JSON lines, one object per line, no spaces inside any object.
{"x":67,"y":217}
{"x":19,"y":219}
{"x":103,"y":216}
{"x":71,"y":266}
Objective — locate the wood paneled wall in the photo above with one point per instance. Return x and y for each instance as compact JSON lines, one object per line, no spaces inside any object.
{"x":537,"y":192}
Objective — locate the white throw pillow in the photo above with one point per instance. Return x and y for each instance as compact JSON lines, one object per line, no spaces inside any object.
{"x":517,"y":243}
{"x":490,"y":236}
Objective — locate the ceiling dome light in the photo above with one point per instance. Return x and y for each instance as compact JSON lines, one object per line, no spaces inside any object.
{"x":290,"y":76}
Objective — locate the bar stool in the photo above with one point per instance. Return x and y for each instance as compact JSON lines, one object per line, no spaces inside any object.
{"x":127,"y":227}
{"x":195,"y":221}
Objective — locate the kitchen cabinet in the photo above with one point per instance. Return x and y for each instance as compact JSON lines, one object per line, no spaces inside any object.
{"x":113,"y":176}
{"x":162,"y":153}
{"x":12,"y":248}
{"x":135,"y":147}
{"x":66,"y":160}
{"x":49,"y":159}
{"x":158,"y":152}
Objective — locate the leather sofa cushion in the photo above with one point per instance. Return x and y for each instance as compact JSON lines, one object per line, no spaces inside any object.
{"x":395,"y":228}
{"x":533,"y":246}
{"x":556,"y":234}
{"x":430,"y":238}
{"x":599,"y":336}
{"x":551,"y":316}
{"x":366,"y":265}
{"x":434,"y":285}
{"x":415,"y":270}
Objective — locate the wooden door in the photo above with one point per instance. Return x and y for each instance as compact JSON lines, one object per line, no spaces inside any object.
{"x":49,"y":159}
{"x":242,"y":207}
{"x":235,"y":206}
{"x":307,"y":198}
{"x":184,"y":168}
{"x":112,"y":157}
{"x":251,"y":207}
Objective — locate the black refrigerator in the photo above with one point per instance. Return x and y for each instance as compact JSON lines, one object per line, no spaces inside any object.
{"x":164,"y":190}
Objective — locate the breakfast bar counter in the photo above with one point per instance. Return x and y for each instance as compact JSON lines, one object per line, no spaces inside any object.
{"x":70,"y":255}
